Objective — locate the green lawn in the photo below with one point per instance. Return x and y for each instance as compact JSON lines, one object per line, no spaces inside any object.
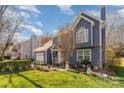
{"x":54,"y":79}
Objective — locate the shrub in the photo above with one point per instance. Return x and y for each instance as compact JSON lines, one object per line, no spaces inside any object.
{"x":86,"y":62}
{"x":110,"y":55}
{"x":120,"y":51}
{"x":14,"y":65}
{"x":7,"y":57}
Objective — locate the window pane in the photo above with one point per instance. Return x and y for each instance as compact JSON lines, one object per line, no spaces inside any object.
{"x":87,"y":54}
{"x":80,"y":55}
{"x":76,"y":36}
{"x":86,"y":37}
{"x":82,"y":35}
{"x":87,"y":58}
{"x":80,"y":58}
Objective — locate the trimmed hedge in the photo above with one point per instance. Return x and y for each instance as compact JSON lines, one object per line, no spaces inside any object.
{"x":14,"y":65}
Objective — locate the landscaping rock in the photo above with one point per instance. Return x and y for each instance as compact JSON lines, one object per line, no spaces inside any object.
{"x":112,"y":78}
{"x":102,"y":75}
{"x":89,"y":71}
{"x":2,"y":70}
{"x":20,"y":68}
{"x":67,"y":66}
{"x":61,"y":69}
{"x":45,"y":68}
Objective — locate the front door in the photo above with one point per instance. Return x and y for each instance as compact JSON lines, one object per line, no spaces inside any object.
{"x":55,"y":56}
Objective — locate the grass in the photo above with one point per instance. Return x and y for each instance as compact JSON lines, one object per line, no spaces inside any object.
{"x":57,"y":79}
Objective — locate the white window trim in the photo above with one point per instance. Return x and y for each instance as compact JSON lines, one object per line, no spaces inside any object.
{"x":86,"y":32}
{"x":83,"y":54}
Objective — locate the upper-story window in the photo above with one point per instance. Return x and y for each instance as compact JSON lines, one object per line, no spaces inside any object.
{"x":82,"y":35}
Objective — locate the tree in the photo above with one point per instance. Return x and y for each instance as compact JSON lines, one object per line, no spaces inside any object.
{"x":114,"y":35}
{"x":2,"y":10}
{"x":45,"y":39}
{"x":9,"y":26}
{"x":65,"y":39}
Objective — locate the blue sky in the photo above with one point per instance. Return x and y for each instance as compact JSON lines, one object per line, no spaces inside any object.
{"x":47,"y":19}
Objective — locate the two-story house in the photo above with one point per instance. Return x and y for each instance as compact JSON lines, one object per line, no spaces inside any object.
{"x":89,"y":34}
{"x":89,"y":41}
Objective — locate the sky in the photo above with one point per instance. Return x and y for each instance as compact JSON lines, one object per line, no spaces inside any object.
{"x":47,"y":19}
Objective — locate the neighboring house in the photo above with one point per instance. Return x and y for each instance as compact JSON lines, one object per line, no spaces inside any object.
{"x":12,"y":52}
{"x":89,"y":34}
{"x":49,"y":53}
{"x":15,"y":51}
{"x":28,"y":46}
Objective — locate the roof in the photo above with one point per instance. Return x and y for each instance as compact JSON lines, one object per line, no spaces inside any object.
{"x":77,"y":19}
{"x":45,"y":47}
{"x":89,"y":14}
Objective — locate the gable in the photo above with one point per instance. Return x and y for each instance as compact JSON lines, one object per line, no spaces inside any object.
{"x":88,"y":17}
{"x":83,"y":23}
{"x":80,"y":18}
{"x":54,"y":47}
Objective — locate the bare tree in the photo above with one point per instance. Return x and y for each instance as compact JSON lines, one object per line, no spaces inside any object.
{"x":65,"y":40}
{"x":2,"y":10}
{"x":45,"y":39}
{"x":114,"y":31}
{"x":9,"y":26}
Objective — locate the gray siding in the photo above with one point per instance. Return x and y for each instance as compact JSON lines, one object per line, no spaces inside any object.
{"x":49,"y":57}
{"x":87,"y":25}
{"x":95,"y":48}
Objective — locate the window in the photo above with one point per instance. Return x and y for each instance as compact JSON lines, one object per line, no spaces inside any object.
{"x":82,"y":35}
{"x":84,"y":54}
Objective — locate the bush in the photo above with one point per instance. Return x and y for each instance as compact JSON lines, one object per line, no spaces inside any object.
{"x":120,"y":51}
{"x":110,"y":55}
{"x":14,"y":65}
{"x":85,"y":62}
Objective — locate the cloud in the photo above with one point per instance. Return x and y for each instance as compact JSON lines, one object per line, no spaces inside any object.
{"x":55,"y":31}
{"x":25,"y":14}
{"x":20,"y":37}
{"x":39,"y":24}
{"x":11,"y":14}
{"x":31,"y":28}
{"x":30,"y":8}
{"x":66,"y":9}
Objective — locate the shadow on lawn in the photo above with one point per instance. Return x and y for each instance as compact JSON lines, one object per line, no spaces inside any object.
{"x":9,"y":81}
{"x":17,"y":73}
{"x":31,"y":81}
{"x":119,"y":70}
